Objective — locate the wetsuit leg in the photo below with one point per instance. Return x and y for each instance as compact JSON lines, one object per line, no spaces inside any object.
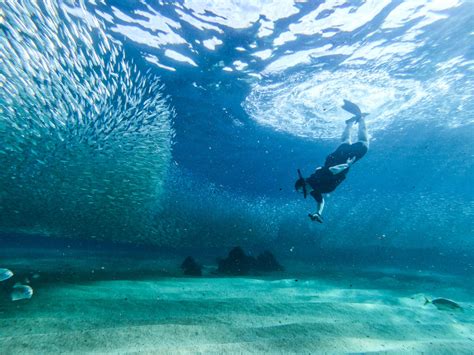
{"x":346,"y":135}
{"x":363,"y":136}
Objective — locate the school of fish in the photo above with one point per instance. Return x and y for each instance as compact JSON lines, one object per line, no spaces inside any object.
{"x":85,"y":137}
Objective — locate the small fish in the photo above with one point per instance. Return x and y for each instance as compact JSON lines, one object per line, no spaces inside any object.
{"x":444,"y":304}
{"x":21,"y":292}
{"x":5,"y":274}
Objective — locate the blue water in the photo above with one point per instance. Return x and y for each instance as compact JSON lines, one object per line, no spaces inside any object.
{"x":136,"y":133}
{"x":251,"y":91}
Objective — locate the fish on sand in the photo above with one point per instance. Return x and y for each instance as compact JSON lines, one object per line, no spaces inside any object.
{"x":444,"y":304}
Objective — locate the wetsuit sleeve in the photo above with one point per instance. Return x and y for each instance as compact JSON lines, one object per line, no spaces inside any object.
{"x":317,"y":196}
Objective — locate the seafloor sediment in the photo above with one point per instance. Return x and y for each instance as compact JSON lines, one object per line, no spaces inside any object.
{"x":130,"y":310}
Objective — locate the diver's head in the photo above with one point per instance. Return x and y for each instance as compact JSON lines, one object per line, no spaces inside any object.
{"x":299,"y":185}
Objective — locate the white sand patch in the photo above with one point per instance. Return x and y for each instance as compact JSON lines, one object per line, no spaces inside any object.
{"x":229,"y":315}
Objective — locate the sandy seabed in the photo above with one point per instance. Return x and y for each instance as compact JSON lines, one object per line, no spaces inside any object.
{"x":333,"y":312}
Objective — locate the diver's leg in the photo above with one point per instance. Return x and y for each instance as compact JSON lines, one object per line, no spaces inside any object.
{"x":363,"y":136}
{"x":346,"y":135}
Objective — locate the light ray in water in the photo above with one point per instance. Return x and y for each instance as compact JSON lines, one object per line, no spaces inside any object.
{"x":85,"y":139}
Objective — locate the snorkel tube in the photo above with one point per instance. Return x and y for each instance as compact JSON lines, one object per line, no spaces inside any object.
{"x":305,"y":193}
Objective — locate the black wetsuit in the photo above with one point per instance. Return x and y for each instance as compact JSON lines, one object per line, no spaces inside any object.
{"x":322,"y":180}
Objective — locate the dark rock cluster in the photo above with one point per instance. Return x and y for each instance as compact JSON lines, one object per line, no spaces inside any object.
{"x":191,"y":267}
{"x":238,"y":263}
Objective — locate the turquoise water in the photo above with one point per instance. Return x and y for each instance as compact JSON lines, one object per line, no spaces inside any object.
{"x":121,"y":121}
{"x":178,"y":127}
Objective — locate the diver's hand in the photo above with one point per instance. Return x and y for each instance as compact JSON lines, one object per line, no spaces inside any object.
{"x":338,"y":168}
{"x":315,"y":217}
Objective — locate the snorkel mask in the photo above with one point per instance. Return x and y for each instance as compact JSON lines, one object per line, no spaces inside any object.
{"x":301,"y":183}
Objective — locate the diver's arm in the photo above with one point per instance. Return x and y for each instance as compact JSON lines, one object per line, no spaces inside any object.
{"x":336,"y":169}
{"x":320,"y":207}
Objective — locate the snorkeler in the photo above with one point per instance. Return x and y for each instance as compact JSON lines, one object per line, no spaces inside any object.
{"x":326,"y":178}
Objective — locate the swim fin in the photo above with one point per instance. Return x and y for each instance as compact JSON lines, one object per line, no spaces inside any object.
{"x":353,"y":108}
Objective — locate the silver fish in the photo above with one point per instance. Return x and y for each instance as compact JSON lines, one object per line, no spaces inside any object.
{"x":5,"y":274}
{"x":21,"y":292}
{"x":444,"y":304}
